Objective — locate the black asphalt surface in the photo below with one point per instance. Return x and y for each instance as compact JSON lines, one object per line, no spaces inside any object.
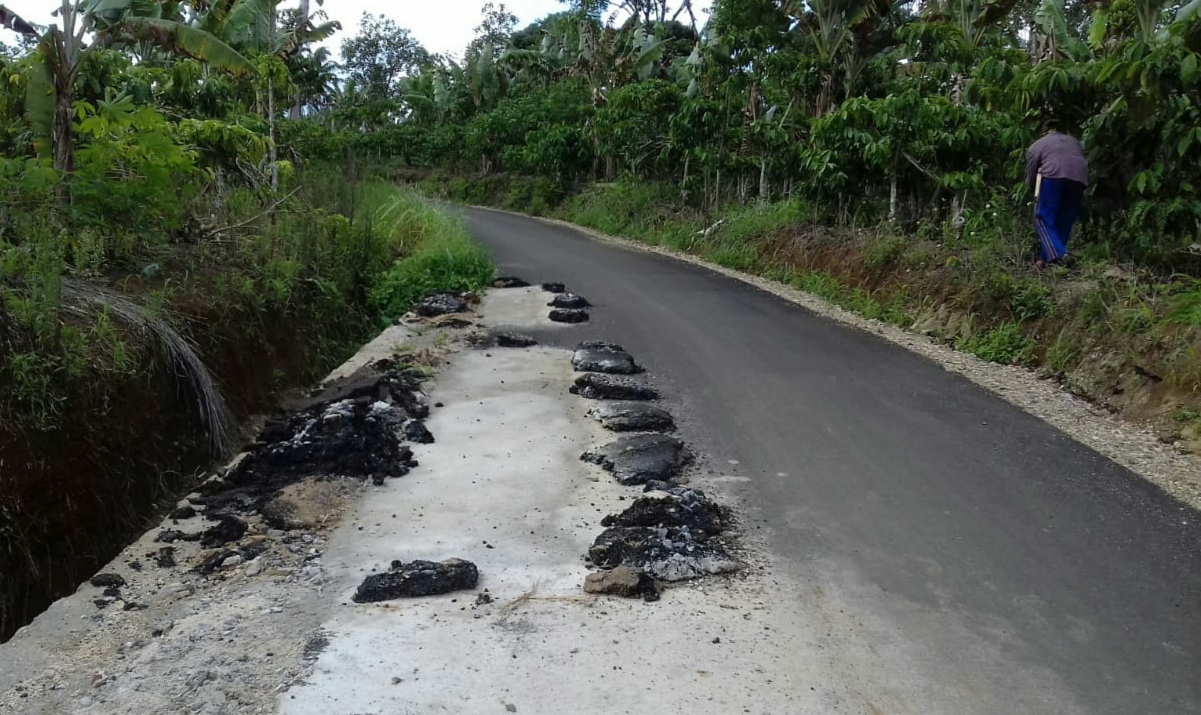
{"x":989,"y":553}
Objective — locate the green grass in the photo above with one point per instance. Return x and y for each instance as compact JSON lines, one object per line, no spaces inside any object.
{"x":439,"y":252}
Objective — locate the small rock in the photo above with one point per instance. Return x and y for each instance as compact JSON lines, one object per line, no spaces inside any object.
{"x":231,"y":561}
{"x":254,"y":568}
{"x":418,"y":578}
{"x":511,"y":707}
{"x":624,"y":581}
{"x":108,"y":580}
{"x":564,"y":315}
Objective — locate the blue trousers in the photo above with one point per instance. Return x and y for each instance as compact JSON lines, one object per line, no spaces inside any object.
{"x":1059,"y":202}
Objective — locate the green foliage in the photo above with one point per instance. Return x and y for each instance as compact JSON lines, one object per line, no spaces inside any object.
{"x":439,"y":253}
{"x":1006,"y":344}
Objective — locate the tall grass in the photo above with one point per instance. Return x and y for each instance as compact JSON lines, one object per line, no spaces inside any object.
{"x":437,"y":250}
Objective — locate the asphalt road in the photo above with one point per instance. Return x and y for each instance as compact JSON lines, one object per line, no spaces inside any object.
{"x":964,"y":556}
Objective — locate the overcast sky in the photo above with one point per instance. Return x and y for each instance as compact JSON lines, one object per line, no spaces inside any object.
{"x":440,"y":25}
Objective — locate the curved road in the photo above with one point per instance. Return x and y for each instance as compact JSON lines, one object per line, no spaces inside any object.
{"x":976,"y":559}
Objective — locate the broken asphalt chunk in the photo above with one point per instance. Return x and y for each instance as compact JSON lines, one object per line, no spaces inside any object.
{"x":228,"y":528}
{"x":417,"y":578}
{"x":568,"y":300}
{"x":509,"y":282}
{"x":553,"y":287}
{"x":108,"y":580}
{"x":595,"y":386}
{"x":632,"y":417}
{"x":609,"y":360}
{"x":513,"y":340}
{"x":416,"y":431}
{"x":565,"y":315}
{"x":639,"y":458}
{"x":440,"y":304}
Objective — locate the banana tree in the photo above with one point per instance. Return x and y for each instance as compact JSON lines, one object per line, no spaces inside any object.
{"x":62,"y":48}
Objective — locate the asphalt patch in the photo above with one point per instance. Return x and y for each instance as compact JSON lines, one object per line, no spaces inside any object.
{"x":569,"y":300}
{"x":418,"y":578}
{"x":567,"y":315}
{"x":595,"y":386}
{"x":639,"y":458}
{"x":632,"y":417}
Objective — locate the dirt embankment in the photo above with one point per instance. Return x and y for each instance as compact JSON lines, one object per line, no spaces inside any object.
{"x":73,"y":496}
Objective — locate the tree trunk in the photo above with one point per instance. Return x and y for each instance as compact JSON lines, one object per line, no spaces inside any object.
{"x":763,"y":188}
{"x":892,"y":200}
{"x":271,"y":128}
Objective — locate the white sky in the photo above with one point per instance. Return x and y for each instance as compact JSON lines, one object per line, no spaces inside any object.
{"x":440,"y":25}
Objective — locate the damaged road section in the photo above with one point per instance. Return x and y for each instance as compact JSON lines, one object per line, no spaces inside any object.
{"x":418,"y":578}
{"x":673,"y":534}
{"x":609,"y":358}
{"x":640,"y":458}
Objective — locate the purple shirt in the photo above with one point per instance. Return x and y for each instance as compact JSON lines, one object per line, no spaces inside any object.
{"x":1056,"y":156}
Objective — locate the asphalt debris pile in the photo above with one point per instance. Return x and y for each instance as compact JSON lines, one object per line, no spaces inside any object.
{"x":599,"y":356}
{"x":594,"y":386}
{"x":355,"y":427}
{"x":568,"y":300}
{"x":441,"y":303}
{"x":513,"y":340}
{"x":509,"y":282}
{"x":673,"y":533}
{"x":639,"y":458}
{"x":566,"y":307}
{"x":568,"y":315}
{"x":632,"y":417}
{"x":417,"y":578}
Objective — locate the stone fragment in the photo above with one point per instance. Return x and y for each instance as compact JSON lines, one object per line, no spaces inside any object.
{"x":624,"y":581}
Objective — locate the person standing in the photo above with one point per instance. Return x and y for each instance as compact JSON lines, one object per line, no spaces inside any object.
{"x":1057,"y":171}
